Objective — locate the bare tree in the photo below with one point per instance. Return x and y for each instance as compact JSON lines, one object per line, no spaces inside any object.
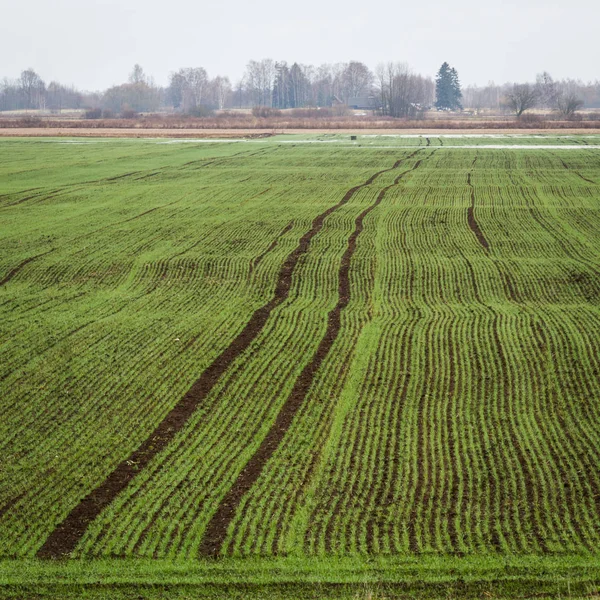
{"x":546,"y":89}
{"x":482,"y":97}
{"x":175,"y":91}
{"x":356,"y":79}
{"x":240,"y":88}
{"x":403,"y":93}
{"x":188,"y":88}
{"x":259,"y":80}
{"x":197,"y":82}
{"x":567,"y":104}
{"x":137,"y":75}
{"x":32,"y":88}
{"x":59,"y":96}
{"x":522,"y":97}
{"x":220,"y":88}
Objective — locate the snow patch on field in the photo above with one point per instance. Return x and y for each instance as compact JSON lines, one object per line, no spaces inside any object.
{"x":519,"y":136}
{"x":199,"y":141}
{"x":490,"y":147}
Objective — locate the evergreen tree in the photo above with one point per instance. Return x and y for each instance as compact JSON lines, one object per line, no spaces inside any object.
{"x":447,"y":89}
{"x":456,"y":91}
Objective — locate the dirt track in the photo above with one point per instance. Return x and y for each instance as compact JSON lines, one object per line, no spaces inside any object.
{"x":245,"y":133}
{"x":68,"y":533}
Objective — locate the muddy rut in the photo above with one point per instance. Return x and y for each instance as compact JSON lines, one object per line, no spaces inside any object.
{"x":471,"y":216}
{"x":67,"y":534}
{"x":216,"y":530}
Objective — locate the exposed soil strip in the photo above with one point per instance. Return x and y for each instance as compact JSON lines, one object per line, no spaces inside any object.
{"x":22,"y":264}
{"x":67,"y":534}
{"x":351,"y":490}
{"x":216,"y":530}
{"x":566,"y":166}
{"x":508,"y":393}
{"x":37,"y":196}
{"x":471,"y":217}
{"x":271,"y":247}
{"x":317,"y":455}
{"x":148,"y":176}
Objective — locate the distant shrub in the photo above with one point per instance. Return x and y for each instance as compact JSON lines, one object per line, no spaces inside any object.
{"x":531,"y":118}
{"x":31,"y":121}
{"x":231,"y":114}
{"x":312,"y":113}
{"x":200,"y":111}
{"x":265,"y":112}
{"x":93,"y":113}
{"x":108,"y":114}
{"x":128,"y":113}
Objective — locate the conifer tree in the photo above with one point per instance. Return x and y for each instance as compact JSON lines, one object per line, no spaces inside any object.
{"x":456,"y":91}
{"x":447,"y":89}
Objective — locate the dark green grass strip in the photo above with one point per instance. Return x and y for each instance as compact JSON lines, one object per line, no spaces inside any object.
{"x":65,"y":537}
{"x":431,"y":577}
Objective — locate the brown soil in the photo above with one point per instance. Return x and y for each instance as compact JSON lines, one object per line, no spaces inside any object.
{"x":471,"y":217}
{"x":566,"y":166}
{"x":216,"y":530}
{"x":317,"y":453}
{"x":14,"y":271}
{"x":67,"y":534}
{"x":256,"y":133}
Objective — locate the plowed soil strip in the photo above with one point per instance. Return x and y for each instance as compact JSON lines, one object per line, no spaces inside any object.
{"x":68,"y":533}
{"x":566,"y":166}
{"x":471,"y":218}
{"x":216,"y":530}
{"x":14,"y":271}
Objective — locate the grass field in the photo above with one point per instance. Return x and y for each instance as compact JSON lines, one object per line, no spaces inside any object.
{"x":300,"y":367}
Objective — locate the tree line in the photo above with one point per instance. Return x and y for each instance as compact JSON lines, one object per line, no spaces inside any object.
{"x":393,"y":89}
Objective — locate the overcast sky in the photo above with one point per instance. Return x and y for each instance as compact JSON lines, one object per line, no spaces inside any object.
{"x":94,"y":44}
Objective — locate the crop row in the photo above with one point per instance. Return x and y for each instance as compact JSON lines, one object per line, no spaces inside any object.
{"x":455,"y":411}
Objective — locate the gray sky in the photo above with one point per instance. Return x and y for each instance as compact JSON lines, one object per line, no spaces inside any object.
{"x":94,"y":44}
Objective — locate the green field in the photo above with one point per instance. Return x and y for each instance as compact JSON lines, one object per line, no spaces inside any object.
{"x":300,"y":367}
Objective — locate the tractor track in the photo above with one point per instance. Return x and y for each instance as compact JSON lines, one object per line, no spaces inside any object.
{"x":216,"y":531}
{"x":471,"y":216}
{"x":65,"y":537}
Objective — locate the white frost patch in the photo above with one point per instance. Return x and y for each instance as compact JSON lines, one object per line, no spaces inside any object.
{"x":488,"y":147}
{"x":520,"y":136}
{"x":201,"y":141}
{"x":80,"y":142}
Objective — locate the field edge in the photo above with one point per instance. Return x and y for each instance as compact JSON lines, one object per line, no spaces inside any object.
{"x":299,"y":569}
{"x":424,"y":576}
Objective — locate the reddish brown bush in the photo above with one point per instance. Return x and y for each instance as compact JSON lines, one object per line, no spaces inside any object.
{"x":265,"y":112}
